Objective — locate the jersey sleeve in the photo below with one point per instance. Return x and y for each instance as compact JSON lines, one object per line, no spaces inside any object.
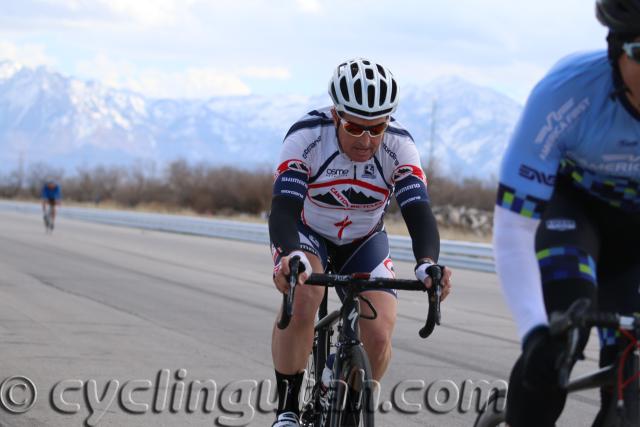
{"x":293,"y":171}
{"x":408,"y":178}
{"x":527,"y":178}
{"x":529,"y":166}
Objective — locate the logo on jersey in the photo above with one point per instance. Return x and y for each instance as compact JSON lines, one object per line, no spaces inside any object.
{"x":560,"y":224}
{"x":369,"y":171}
{"x":311,"y":146}
{"x":405,"y":171}
{"x":621,"y":158}
{"x":389,"y":266}
{"x":616,"y":164}
{"x":342,"y":225}
{"x":559,"y":121}
{"x":294,"y":165}
{"x":532,"y":174}
{"x":348,"y":194}
{"x":337,"y":172}
{"x":391,"y":154}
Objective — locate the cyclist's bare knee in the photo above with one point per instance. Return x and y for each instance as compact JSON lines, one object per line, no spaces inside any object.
{"x":376,"y":334}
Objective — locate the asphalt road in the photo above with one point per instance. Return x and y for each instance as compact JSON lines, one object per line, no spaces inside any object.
{"x":120,"y":327}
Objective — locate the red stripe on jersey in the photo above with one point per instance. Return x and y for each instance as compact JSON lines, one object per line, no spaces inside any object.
{"x":366,"y":185}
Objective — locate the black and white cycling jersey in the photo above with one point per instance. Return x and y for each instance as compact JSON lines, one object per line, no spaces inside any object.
{"x":346,"y":200}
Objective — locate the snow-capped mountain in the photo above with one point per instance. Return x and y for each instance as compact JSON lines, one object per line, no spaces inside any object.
{"x":67,"y":122}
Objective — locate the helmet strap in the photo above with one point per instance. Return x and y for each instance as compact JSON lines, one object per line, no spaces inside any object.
{"x":615,"y":41}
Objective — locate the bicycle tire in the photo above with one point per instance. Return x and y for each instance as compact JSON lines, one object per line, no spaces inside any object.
{"x":352,"y":395}
{"x":313,"y":414}
{"x":490,"y":414}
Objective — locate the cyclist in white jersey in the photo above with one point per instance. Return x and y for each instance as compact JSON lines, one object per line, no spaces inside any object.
{"x":567,"y":220}
{"x":338,"y":168}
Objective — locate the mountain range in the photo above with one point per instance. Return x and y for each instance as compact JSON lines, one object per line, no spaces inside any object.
{"x":67,"y":123}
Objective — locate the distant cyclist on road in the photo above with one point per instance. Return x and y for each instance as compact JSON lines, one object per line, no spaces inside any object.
{"x":51,"y":196}
{"x":338,"y":168}
{"x":567,"y":220}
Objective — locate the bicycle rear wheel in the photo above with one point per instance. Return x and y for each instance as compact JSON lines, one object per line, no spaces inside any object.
{"x":352,"y":391}
{"x":493,"y":412}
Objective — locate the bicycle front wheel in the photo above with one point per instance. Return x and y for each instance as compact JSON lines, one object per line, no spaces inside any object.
{"x":353,"y":390}
{"x":493,"y":412}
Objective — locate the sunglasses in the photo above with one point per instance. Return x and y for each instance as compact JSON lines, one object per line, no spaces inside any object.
{"x":357,"y":130}
{"x":632,"y":49}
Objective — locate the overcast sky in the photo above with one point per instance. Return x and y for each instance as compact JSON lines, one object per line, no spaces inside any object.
{"x":202,"y":48}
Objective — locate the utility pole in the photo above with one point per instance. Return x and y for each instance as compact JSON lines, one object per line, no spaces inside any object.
{"x":432,"y":138}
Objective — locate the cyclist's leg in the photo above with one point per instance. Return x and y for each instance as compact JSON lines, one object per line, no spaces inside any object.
{"x":372,"y":255}
{"x":618,"y":282}
{"x":376,"y":334}
{"x":52,"y":204}
{"x":567,"y":250}
{"x":290,"y":347}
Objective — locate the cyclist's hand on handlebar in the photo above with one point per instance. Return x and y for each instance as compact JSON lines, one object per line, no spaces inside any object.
{"x":446,"y":282}
{"x":540,"y":356}
{"x":281,"y":275}
{"x":423,"y":275}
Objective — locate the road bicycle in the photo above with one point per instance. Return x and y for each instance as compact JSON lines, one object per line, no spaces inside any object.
{"x":351,"y":396}
{"x":622,"y":376}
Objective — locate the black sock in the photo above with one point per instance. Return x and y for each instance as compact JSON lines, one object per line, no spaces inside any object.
{"x":288,"y":392}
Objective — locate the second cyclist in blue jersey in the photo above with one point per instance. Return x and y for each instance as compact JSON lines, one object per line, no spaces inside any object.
{"x":51,"y":195}
{"x":338,"y":168}
{"x":567,"y":220}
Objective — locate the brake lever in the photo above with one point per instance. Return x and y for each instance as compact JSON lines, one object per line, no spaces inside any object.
{"x":435,"y":296}
{"x":287,"y":299}
{"x":569,"y":322}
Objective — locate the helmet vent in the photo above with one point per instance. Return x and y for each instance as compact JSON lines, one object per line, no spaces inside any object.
{"x":383,"y":92}
{"x":357,"y":88}
{"x":344,"y":89}
{"x":371,"y":95}
{"x":334,"y":95}
{"x":369,"y":73}
{"x":394,"y":90}
{"x":354,"y":69}
{"x":381,"y":71}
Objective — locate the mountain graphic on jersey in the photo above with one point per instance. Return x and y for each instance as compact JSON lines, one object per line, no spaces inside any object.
{"x":353,"y":196}
{"x":358,"y":198}
{"x":326,"y":198}
{"x":348,"y":194}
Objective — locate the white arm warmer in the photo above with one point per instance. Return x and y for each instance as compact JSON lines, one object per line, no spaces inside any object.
{"x":517,"y":267}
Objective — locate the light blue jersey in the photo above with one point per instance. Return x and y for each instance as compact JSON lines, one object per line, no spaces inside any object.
{"x":572,"y":125}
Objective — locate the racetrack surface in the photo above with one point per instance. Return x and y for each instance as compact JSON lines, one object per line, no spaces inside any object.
{"x":95,"y":302}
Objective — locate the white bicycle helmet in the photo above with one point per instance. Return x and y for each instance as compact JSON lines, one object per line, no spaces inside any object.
{"x":364,"y":89}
